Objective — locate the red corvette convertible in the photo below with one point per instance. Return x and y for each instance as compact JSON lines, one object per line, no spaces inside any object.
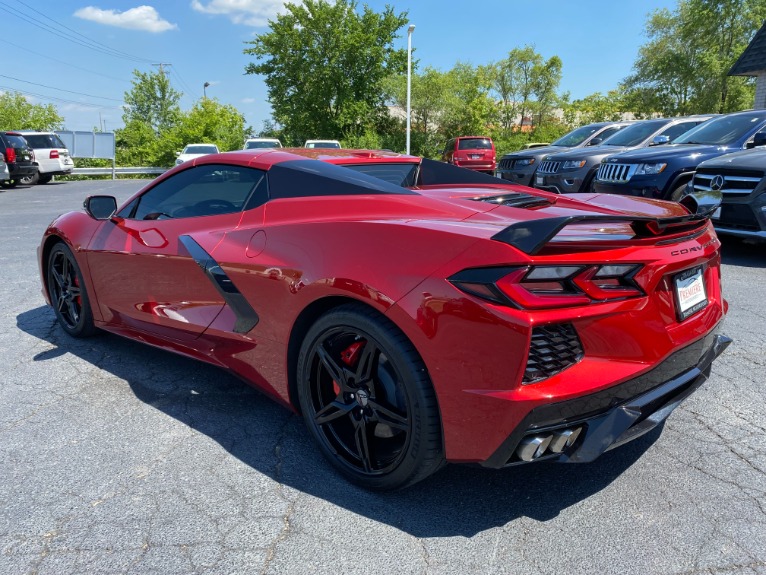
{"x":413,"y":312}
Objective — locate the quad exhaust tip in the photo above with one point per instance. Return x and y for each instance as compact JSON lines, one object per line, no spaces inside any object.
{"x":535,"y":446}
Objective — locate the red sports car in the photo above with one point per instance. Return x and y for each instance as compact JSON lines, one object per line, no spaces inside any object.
{"x":414,"y":312}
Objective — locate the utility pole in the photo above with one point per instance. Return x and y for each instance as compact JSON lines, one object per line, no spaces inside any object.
{"x":161,"y":66}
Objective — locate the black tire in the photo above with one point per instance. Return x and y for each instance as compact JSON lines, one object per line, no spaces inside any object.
{"x":30,"y":180}
{"x":67,"y":292}
{"x":8,"y":183}
{"x":367,"y":400}
{"x":44,"y":179}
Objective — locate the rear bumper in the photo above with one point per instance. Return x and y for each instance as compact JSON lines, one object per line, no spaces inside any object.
{"x":616,"y":415}
{"x":21,"y":170}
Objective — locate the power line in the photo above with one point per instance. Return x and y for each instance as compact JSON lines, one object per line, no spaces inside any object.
{"x":56,"y":99}
{"x":6,"y":41}
{"x":59,"y":89}
{"x":70,"y":38}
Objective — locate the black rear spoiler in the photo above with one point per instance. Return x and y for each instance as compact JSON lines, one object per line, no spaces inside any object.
{"x":530,"y":237}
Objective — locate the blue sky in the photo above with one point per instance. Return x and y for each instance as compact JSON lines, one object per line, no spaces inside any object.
{"x":202,"y":40}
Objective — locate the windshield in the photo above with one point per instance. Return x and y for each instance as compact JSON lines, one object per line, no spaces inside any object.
{"x":635,"y":134}
{"x":474,"y":144}
{"x":44,"y":141}
{"x":253,"y":144}
{"x":723,"y":130}
{"x":576,"y":137}
{"x":200,"y":150}
{"x":398,"y":174}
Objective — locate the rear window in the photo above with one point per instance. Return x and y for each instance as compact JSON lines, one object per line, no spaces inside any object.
{"x":474,"y":144}
{"x":44,"y":141}
{"x":16,"y":141}
{"x":397,"y":174}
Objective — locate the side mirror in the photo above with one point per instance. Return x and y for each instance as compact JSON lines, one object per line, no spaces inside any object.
{"x":595,"y":141}
{"x":100,"y":207}
{"x":759,"y":139}
{"x":660,"y":141}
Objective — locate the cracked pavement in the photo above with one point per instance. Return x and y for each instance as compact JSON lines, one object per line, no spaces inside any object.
{"x":120,"y":458}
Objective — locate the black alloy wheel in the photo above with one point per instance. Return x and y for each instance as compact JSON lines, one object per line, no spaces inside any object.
{"x":367,"y":399}
{"x":68,"y":296}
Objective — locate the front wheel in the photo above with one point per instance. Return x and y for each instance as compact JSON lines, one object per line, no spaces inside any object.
{"x":67,"y":292}
{"x":368,"y":401}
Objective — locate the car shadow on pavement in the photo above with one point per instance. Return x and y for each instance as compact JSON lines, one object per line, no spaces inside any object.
{"x":743,"y":253}
{"x":458,"y":501}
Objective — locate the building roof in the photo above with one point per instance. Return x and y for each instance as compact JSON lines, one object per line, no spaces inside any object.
{"x":753,"y":59}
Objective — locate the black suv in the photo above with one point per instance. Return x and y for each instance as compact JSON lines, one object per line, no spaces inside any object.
{"x":741,"y":179}
{"x":662,"y":172}
{"x":19,"y":157}
{"x":519,"y":167}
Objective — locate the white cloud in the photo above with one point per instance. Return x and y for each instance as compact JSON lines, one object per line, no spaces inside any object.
{"x":248,"y":100}
{"x":144,"y":18}
{"x":248,"y":12}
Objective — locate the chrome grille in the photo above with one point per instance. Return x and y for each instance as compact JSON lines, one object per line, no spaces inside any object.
{"x":552,"y":349}
{"x":613,"y":172}
{"x":506,"y":164}
{"x":549,"y":167}
{"x":734,"y":185}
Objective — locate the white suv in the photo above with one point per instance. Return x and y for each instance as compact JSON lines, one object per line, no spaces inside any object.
{"x":51,"y":155}
{"x":256,"y":143}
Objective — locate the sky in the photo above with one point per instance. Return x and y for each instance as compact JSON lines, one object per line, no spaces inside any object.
{"x":81,"y":56}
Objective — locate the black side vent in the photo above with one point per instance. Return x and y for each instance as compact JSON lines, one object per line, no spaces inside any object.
{"x":553,"y":349}
{"x":517,"y":200}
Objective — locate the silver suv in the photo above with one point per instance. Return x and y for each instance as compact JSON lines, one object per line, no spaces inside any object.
{"x":50,"y":153}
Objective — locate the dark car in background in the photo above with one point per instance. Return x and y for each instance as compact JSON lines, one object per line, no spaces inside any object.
{"x":472,"y":152}
{"x":572,"y":171}
{"x":19,"y":157}
{"x":741,"y":179}
{"x":519,"y":167}
{"x":662,"y":172}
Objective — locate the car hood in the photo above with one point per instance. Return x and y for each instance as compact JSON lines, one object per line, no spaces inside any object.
{"x":536,"y":153}
{"x":660,"y":153}
{"x":743,"y":160}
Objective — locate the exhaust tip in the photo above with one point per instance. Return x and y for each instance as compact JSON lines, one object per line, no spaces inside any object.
{"x":532,"y":447}
{"x":564,"y":438}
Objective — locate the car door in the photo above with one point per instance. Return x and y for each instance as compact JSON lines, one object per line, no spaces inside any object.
{"x":144,"y":275}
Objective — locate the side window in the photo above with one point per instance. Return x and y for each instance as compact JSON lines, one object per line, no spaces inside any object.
{"x":212,"y":189}
{"x":674,"y":131}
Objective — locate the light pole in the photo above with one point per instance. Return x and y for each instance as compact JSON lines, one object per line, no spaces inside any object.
{"x":204,"y":90}
{"x":409,"y":79}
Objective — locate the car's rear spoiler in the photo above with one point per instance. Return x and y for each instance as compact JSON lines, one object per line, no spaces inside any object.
{"x":531,"y":236}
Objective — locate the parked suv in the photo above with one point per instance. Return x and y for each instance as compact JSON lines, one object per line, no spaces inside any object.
{"x":663,"y":171}
{"x":741,"y":179}
{"x":257,"y":143}
{"x":19,"y":157}
{"x":472,"y":152}
{"x":519,"y":167}
{"x":572,"y":171}
{"x":51,"y":154}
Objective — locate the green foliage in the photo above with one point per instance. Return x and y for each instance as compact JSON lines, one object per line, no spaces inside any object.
{"x":152,"y":100}
{"x":596,"y":107}
{"x":17,"y":113}
{"x":683,"y":67}
{"x":324,"y":65}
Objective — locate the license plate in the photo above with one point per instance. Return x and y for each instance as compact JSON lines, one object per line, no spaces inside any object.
{"x":717,"y":213}
{"x":474,"y":156}
{"x":690,"y":292}
{"x":539,"y":180}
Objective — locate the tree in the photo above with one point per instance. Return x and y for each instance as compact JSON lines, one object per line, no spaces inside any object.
{"x":17,"y":113}
{"x":324,"y":64}
{"x":152,"y":100}
{"x":596,"y":107}
{"x":546,"y":78}
{"x":683,"y":67}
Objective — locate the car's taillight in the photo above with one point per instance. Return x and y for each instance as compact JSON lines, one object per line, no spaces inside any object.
{"x":545,"y":287}
{"x":10,"y":155}
{"x":54,"y":154}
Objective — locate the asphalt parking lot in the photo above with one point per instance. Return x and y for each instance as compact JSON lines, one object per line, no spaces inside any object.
{"x":119,"y":458}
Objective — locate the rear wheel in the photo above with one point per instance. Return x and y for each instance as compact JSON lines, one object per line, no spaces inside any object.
{"x":368,"y":401}
{"x":68,"y":296}
{"x":44,"y":179}
{"x":30,"y":180}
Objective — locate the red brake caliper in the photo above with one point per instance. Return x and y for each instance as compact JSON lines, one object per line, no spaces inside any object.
{"x":349,"y":356}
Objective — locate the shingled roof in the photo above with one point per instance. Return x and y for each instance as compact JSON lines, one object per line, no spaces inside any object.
{"x":753,"y":59}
